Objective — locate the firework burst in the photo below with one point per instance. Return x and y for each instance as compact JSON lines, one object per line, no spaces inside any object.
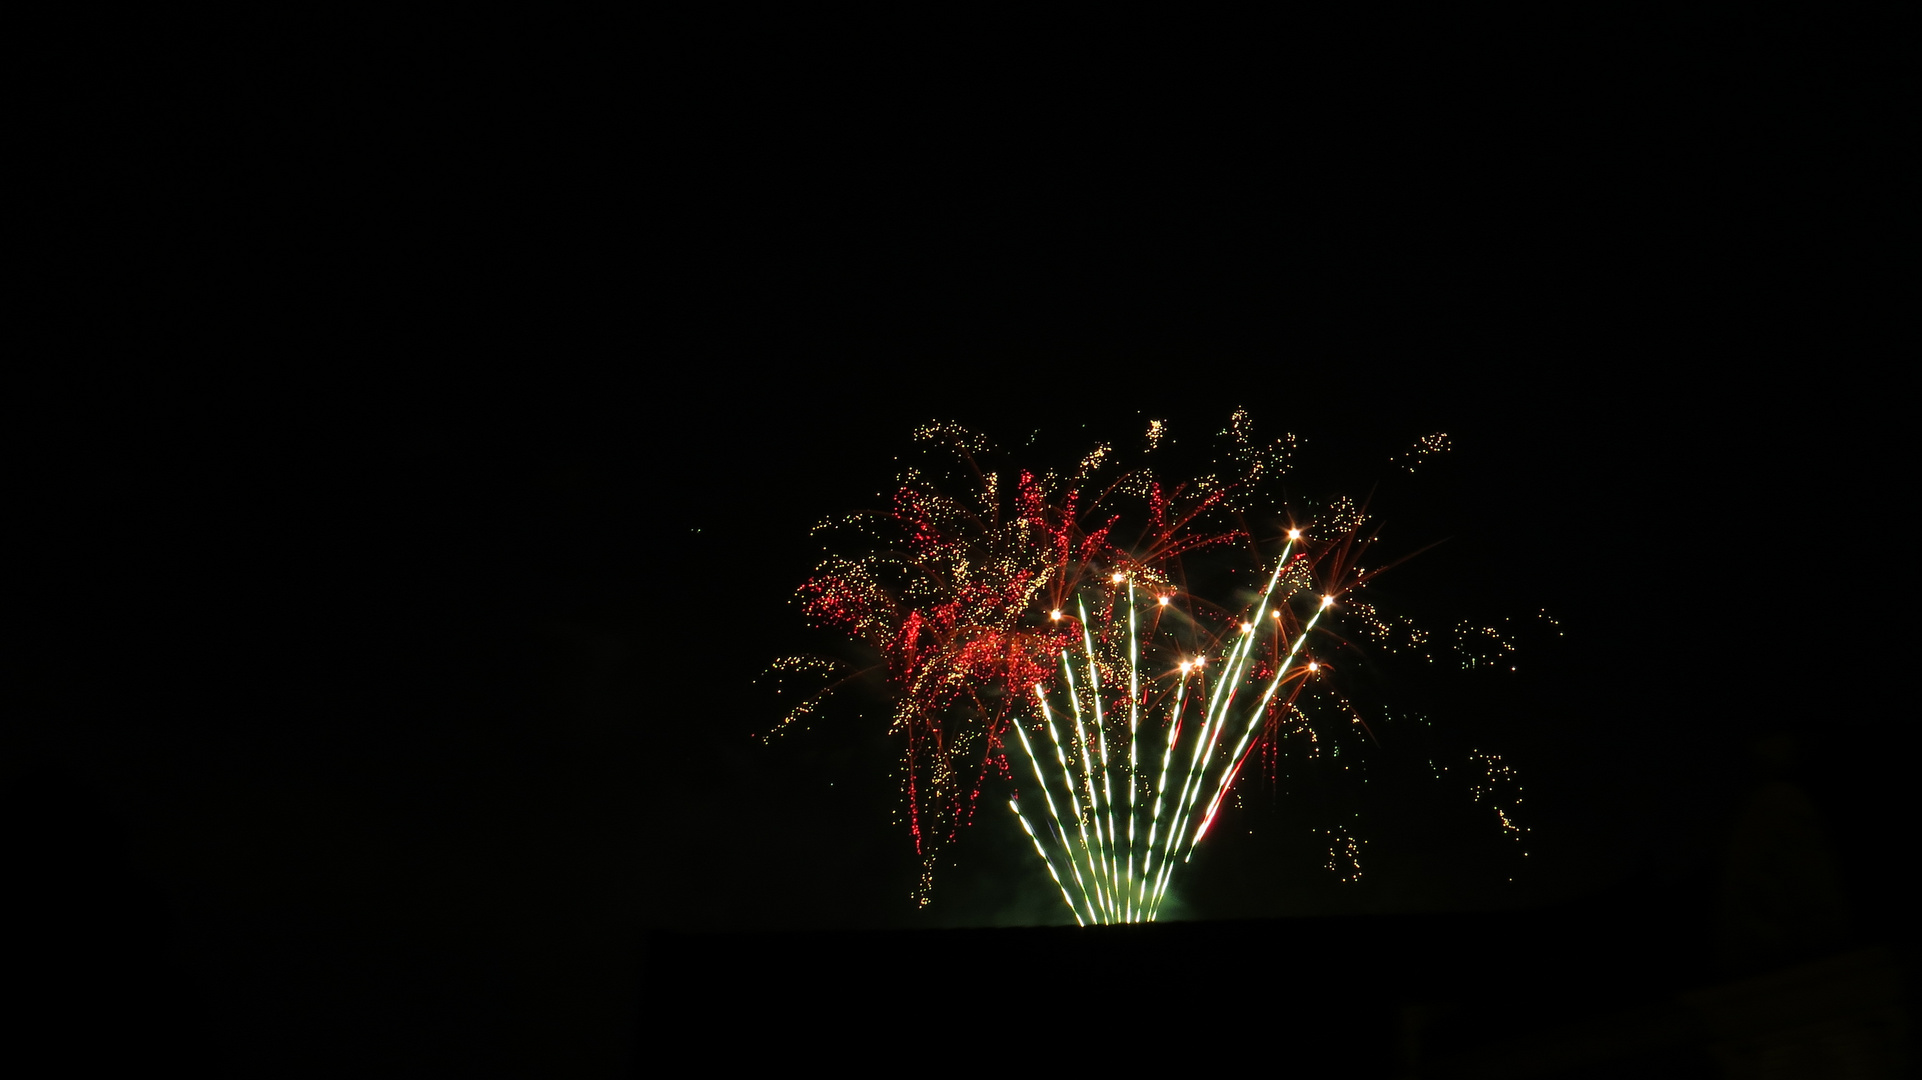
{"x":1038,"y":634}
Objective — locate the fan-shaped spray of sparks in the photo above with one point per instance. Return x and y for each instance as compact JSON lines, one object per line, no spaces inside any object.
{"x":1121,"y":874}
{"x":979,"y":610}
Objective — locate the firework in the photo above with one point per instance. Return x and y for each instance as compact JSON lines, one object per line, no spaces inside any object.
{"x":1048,"y":620}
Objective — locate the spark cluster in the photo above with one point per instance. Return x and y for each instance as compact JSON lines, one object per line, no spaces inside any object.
{"x":1500,"y":789}
{"x":1344,"y":855}
{"x":1491,"y":646}
{"x":1427,"y":445}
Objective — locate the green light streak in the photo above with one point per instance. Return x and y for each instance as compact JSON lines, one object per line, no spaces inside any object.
{"x":1060,"y":830}
{"x":1092,"y":815}
{"x":1254,"y":721}
{"x":1065,"y":898}
{"x":1101,"y":739}
{"x":1134,"y":723}
{"x":1067,"y":780}
{"x":1217,"y":719}
{"x":1161,"y":787}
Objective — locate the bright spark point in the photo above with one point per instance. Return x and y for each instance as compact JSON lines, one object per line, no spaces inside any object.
{"x":1055,"y":614}
{"x":1164,"y":601}
{"x":1117,"y":578}
{"x":1294,"y":534}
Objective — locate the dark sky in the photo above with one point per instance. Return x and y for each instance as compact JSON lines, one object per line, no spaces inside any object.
{"x":413,"y":587}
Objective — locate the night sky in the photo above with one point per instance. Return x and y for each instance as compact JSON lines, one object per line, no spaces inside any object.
{"x":420,"y":534}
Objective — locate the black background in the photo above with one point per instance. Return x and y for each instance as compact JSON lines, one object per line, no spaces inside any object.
{"x":437,"y":426}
